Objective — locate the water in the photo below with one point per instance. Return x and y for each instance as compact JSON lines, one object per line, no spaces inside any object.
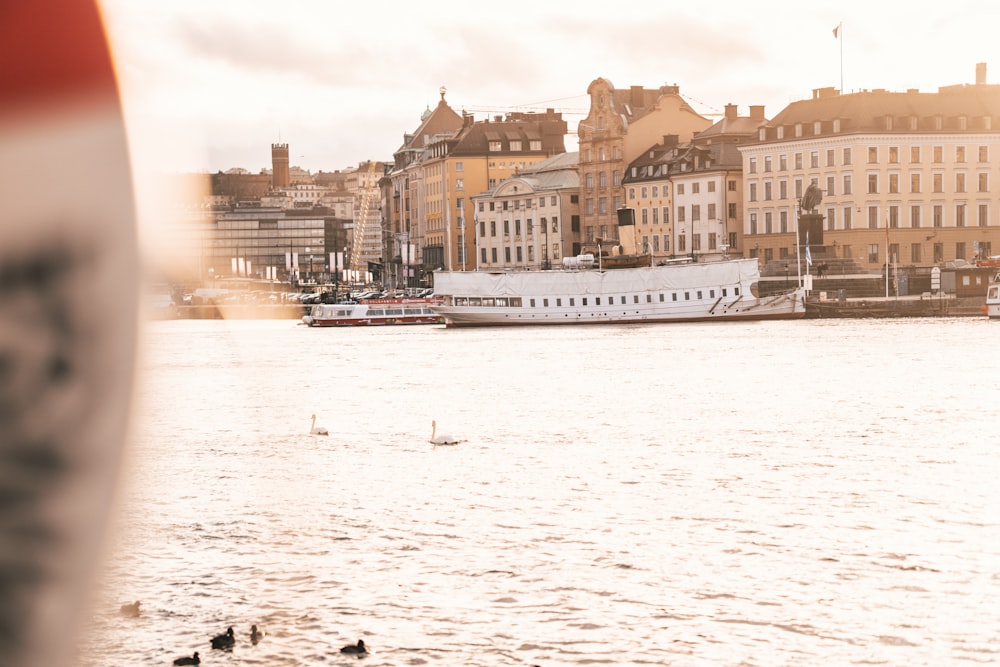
{"x":781,"y":493}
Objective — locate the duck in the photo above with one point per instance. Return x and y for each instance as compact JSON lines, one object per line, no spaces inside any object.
{"x":193,"y":660}
{"x":225,"y":640}
{"x":357,"y":649}
{"x":317,"y":430}
{"x":131,"y":609}
{"x":255,"y":634}
{"x":441,"y":439}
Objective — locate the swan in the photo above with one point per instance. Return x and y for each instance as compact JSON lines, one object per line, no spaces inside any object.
{"x":358,"y":648}
{"x":318,"y":430}
{"x":441,"y":439}
{"x":193,"y":660}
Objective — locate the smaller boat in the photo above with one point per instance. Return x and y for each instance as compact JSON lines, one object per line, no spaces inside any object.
{"x":374,"y":312}
{"x":992,"y":307}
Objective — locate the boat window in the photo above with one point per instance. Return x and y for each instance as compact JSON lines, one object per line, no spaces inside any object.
{"x":623,"y":299}
{"x":649,"y":298}
{"x":343,"y":313}
{"x":724,"y":292}
{"x":635,"y":298}
{"x":488,"y":301}
{"x":661,"y":297}
{"x":674,"y":295}
{"x":597,"y":300}
{"x":502,"y":303}
{"x":531,"y":302}
{"x":393,"y":311}
{"x":736,"y":291}
{"x":515,"y":302}
{"x":584,"y":301}
{"x":687,"y":296}
{"x":376,"y":312}
{"x":572,"y":301}
{"x":711,"y":294}
{"x":545,"y":303}
{"x":994,"y":291}
{"x":699,"y":295}
{"x":558,"y":302}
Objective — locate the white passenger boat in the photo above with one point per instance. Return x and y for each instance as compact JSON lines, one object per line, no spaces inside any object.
{"x":586,"y":294}
{"x":373,"y":312}
{"x":992,"y":307}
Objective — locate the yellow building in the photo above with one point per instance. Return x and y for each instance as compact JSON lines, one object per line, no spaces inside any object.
{"x":620,"y":125}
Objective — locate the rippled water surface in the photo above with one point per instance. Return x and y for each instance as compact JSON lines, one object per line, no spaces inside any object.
{"x":789,"y":493}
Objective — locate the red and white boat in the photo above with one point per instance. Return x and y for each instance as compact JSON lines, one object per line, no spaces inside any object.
{"x":373,"y":312}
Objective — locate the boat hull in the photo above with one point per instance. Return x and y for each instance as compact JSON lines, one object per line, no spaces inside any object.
{"x":721,"y":291}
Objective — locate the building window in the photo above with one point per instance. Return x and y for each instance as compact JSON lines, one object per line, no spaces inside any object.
{"x":960,"y":250}
{"x":915,"y":215}
{"x":695,"y":212}
{"x":937,"y":182}
{"x":589,"y":179}
{"x":984,"y":154}
{"x":915,"y":183}
{"x":894,"y":183}
{"x":873,"y":184}
{"x":847,"y":184}
{"x":535,"y":145}
{"x":894,"y":216}
{"x":959,"y":153}
{"x":459,"y":183}
{"x":984,"y":182}
{"x":938,"y":214}
{"x":768,"y":222}
{"x":873,"y":217}
{"x":783,"y":221}
{"x":732,"y":210}
{"x":893,"y":154}
{"x":753,"y":223}
{"x":872,"y":253}
{"x":960,"y":215}
{"x":814,"y":160}
{"x":984,"y":215}
{"x":847,"y":157}
{"x":680,"y":214}
{"x":830,"y":180}
{"x":712,"y":241}
{"x":831,"y":218}
{"x":960,"y":182}
{"x":767,"y":163}
{"x":915,"y":154}
{"x":830,"y":159}
{"x":873,"y":155}
{"x":753,"y":192}
{"x":753,"y":166}
{"x":938,"y":154}
{"x":680,"y":188}
{"x":495,"y":147}
{"x":602,"y":179}
{"x":767,"y":190}
{"x":914,"y":253}
{"x":731,"y":186}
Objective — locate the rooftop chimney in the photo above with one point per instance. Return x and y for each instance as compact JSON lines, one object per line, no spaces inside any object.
{"x":980,"y":74}
{"x":756,"y":112}
{"x":731,"y":112}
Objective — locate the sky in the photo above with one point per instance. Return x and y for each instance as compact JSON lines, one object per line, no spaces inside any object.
{"x":209,"y":85}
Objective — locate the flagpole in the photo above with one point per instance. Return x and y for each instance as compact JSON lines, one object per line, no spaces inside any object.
{"x":841,"y":38}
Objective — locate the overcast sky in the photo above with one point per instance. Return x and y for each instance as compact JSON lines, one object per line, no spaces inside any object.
{"x":210,"y":84}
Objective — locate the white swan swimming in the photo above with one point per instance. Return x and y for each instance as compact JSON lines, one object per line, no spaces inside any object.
{"x":318,"y":430}
{"x":441,"y":439}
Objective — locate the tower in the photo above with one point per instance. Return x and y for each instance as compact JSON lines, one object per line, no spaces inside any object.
{"x":279,"y":165}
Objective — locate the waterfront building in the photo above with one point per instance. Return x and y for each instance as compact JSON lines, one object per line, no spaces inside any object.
{"x":619,"y":127}
{"x":479,"y":156}
{"x":910,"y":173}
{"x":402,"y":209}
{"x":530,"y":220}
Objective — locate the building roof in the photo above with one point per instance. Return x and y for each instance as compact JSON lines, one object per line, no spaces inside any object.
{"x":953,"y":108}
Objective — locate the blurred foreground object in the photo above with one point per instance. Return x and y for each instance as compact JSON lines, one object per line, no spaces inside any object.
{"x":68,"y":284}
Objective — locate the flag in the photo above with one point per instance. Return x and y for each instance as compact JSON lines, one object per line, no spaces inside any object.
{"x":809,"y":259}
{"x":836,"y":30}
